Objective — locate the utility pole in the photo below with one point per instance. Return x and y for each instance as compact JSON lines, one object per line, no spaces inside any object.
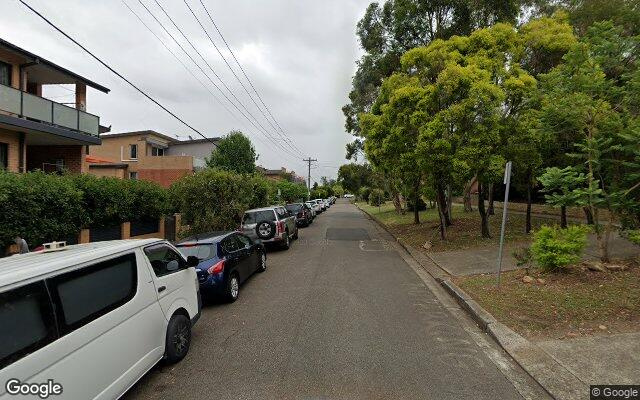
{"x":309,"y":161}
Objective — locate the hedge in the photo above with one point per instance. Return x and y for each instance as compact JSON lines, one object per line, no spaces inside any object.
{"x":212,"y":200}
{"x":44,"y":207}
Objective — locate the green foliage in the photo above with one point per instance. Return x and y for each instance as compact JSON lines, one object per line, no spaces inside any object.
{"x":633,"y":236}
{"x":560,"y":184}
{"x":554,"y":248}
{"x":376,"y":197}
{"x":338,"y":190}
{"x":213,"y":200}
{"x":234,"y":152}
{"x":291,"y":192}
{"x":319,"y":192}
{"x":46,"y":207}
{"x":364,"y":193}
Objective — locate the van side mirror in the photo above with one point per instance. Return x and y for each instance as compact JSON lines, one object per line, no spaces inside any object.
{"x":173,"y":265}
{"x":193,"y":261}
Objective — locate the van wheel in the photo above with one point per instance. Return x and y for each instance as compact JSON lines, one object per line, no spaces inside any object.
{"x":178,"y":339}
{"x":232,"y":289}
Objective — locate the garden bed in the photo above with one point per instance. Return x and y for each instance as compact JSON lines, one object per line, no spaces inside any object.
{"x":578,"y":302}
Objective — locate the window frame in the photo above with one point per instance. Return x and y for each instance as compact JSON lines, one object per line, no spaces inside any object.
{"x":9,"y":68}
{"x":52,"y":282}
{"x":133,"y":148}
{"x":4,"y":151}
{"x":159,"y":151}
{"x":49,"y":317}
{"x":183,"y":262}
{"x":133,"y":175}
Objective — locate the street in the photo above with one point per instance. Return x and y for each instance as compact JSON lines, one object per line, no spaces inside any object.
{"x":340,"y":315}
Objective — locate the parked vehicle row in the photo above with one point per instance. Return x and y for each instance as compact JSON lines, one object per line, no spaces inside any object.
{"x":126,"y":303}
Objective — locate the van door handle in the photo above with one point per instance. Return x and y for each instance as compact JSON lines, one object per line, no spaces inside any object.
{"x":161,"y":289}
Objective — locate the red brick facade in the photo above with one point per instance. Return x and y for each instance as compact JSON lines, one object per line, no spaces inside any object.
{"x":164,"y":177}
{"x":39,"y":157}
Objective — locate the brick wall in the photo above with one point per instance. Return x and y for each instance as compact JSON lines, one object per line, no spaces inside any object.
{"x":12,"y":139}
{"x":164,"y":177}
{"x":73,"y":157}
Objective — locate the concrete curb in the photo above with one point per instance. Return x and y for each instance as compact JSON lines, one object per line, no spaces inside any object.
{"x":559,"y":382}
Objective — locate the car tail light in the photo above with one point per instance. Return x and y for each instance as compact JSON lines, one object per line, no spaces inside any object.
{"x":217,"y":268}
{"x":280,"y":226}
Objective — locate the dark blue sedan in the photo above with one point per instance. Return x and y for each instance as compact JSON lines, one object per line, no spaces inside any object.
{"x":226,"y":260}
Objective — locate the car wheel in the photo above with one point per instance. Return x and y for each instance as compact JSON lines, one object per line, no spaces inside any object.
{"x":232,"y":289}
{"x":287,"y":241}
{"x":178,"y":338}
{"x":262,"y":264}
{"x":265,"y":230}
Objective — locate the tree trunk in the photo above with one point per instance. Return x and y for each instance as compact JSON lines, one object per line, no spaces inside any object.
{"x":416,"y":198}
{"x":397,"y":203}
{"x":588,"y":215}
{"x":441,"y":215}
{"x":490,"y":210}
{"x":563,"y":217}
{"x":441,"y":198}
{"x":484,"y":221}
{"x":449,"y":205}
{"x":466,"y":196}
{"x":527,"y":227}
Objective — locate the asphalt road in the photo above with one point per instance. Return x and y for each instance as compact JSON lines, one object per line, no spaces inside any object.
{"x":340,"y":315}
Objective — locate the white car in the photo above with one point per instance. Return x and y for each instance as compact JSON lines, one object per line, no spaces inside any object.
{"x":315,"y":206}
{"x":89,"y":320}
{"x":320,"y":202}
{"x":348,"y":196}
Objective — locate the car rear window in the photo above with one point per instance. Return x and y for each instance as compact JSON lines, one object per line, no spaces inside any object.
{"x":254,"y":217}
{"x":294,"y":208}
{"x":202,"y":251}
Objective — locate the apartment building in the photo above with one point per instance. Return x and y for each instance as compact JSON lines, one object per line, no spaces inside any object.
{"x":148,"y":155}
{"x":36,"y":132}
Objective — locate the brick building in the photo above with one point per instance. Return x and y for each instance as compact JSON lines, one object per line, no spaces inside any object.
{"x":36,"y":132}
{"x":147,"y":155}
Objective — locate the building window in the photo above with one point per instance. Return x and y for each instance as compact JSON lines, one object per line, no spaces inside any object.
{"x":133,"y":175}
{"x":4,"y":156}
{"x":156,"y":151}
{"x":5,"y":74}
{"x":133,"y":151}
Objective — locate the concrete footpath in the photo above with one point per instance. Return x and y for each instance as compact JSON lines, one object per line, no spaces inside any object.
{"x":565,"y":368}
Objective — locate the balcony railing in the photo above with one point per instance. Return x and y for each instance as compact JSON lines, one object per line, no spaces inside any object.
{"x":38,"y":108}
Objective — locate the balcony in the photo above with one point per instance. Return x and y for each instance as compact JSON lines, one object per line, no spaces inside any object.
{"x":26,"y":105}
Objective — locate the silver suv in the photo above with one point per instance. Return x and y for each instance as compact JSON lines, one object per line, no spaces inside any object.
{"x":270,"y":225}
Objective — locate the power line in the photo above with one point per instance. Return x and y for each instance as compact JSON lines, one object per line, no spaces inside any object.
{"x":221,"y":81}
{"x":242,"y":69}
{"x":284,"y":137}
{"x":116,"y":72}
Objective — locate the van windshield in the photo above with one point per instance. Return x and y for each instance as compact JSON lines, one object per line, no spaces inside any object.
{"x":254,"y":217}
{"x":202,"y":251}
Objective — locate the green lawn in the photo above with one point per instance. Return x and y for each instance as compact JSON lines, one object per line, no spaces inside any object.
{"x":463,"y":234}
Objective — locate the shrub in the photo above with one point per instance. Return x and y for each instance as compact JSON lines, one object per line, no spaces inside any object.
{"x":554,"y":248}
{"x":364,"y":193}
{"x":376,"y":197}
{"x":291,"y":192}
{"x":212,"y":200}
{"x":39,"y":208}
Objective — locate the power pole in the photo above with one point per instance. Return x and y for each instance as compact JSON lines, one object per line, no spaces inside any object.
{"x":309,"y":161}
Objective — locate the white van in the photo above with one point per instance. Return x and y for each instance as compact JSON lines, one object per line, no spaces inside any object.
{"x":87,"y":321}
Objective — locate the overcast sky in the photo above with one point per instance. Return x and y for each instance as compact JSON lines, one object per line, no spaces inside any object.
{"x":299,"y":54}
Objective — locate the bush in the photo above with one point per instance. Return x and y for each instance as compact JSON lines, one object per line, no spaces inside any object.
{"x":212,"y":200}
{"x":554,"y":248}
{"x":376,"y":197}
{"x":44,"y":207}
{"x":290,"y":192}
{"x":40,"y":208}
{"x":421,"y":204}
{"x":364,"y":193}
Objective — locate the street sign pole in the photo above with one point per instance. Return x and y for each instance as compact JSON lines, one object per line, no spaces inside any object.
{"x":507,"y":182}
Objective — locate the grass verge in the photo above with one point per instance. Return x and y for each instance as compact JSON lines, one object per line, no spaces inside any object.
{"x":573,"y":303}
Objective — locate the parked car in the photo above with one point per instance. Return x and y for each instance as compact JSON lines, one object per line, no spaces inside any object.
{"x":322,"y":204}
{"x":348,"y":196}
{"x":225,"y":260}
{"x":94,"y":318}
{"x":302,"y":212}
{"x":270,"y":225}
{"x":315,"y":205}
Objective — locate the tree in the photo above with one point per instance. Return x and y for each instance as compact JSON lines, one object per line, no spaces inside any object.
{"x":235,"y":153}
{"x":354,"y":176}
{"x":559,"y":186}
{"x":386,"y":32}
